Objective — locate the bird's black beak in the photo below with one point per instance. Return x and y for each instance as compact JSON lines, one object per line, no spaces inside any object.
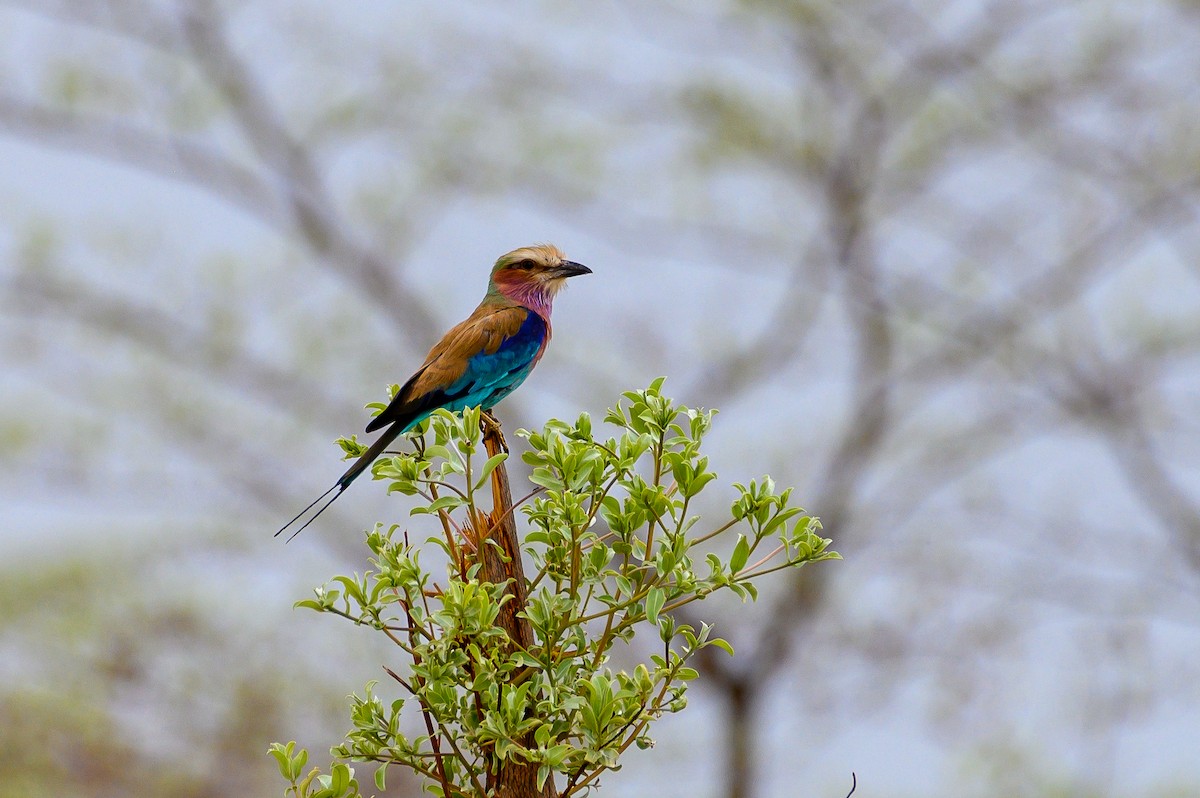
{"x":571,"y":269}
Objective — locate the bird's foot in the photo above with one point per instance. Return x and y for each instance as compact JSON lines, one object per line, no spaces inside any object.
{"x":490,"y":425}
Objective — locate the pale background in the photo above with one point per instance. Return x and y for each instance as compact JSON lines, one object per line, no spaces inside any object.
{"x":934,"y":261}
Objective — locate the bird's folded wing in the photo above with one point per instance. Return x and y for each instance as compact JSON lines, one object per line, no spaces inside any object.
{"x":484,"y":356}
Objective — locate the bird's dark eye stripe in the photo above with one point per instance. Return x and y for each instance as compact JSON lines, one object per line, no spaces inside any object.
{"x":523,"y":264}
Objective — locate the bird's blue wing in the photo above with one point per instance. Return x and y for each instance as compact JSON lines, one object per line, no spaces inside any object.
{"x":485,"y":379}
{"x":491,"y":376}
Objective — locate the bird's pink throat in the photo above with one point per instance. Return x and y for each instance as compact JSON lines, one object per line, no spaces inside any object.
{"x":532,"y":295}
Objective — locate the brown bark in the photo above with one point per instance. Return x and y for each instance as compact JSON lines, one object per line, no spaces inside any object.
{"x":500,"y":554}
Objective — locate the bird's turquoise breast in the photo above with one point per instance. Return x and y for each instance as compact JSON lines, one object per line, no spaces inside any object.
{"x":489,"y":377}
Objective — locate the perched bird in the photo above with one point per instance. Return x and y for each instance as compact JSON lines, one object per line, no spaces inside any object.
{"x":480,"y":361}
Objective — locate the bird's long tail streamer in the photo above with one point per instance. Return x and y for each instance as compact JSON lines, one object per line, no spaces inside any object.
{"x":338,"y":486}
{"x":356,"y":469}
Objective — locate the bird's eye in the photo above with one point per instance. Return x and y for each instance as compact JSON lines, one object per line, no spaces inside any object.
{"x":523,"y":265}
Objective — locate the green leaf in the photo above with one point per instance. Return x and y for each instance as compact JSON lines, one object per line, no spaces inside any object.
{"x":340,"y":778}
{"x":741,"y":553}
{"x":699,"y":482}
{"x":451,"y":502}
{"x":722,"y":644}
{"x":297,"y":764}
{"x":654,"y":604}
{"x":352,"y":588}
{"x":546,"y":479}
{"x":284,"y":759}
{"x":351,"y":447}
{"x":437,"y":452}
{"x":489,"y":467}
{"x":666,"y":628}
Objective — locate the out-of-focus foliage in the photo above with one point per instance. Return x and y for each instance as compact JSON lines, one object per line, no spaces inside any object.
{"x":112,"y":682}
{"x":934,"y":261}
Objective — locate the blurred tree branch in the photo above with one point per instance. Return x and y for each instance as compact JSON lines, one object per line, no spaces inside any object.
{"x":175,"y":341}
{"x":164,"y":155}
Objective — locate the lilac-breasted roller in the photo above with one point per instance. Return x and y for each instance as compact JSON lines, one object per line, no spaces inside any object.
{"x":481,"y":360}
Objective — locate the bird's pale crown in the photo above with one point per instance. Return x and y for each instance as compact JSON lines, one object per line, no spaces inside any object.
{"x":531,"y":276}
{"x":539,"y":258}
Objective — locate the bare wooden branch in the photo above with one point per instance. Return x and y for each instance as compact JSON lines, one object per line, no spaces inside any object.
{"x":499,"y":548}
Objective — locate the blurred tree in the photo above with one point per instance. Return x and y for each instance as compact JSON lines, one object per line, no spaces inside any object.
{"x":934,"y":258}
